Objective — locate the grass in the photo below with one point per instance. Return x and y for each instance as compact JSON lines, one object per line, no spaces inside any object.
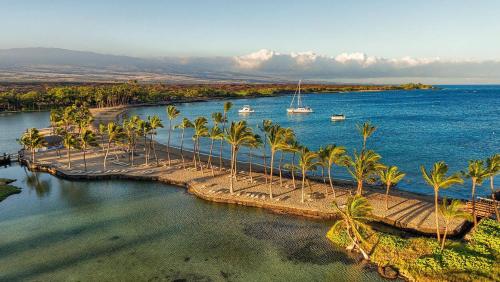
{"x":420,"y":258}
{"x":4,"y":181}
{"x":7,"y":190}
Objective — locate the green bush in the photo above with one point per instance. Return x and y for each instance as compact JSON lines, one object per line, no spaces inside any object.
{"x":487,"y":235}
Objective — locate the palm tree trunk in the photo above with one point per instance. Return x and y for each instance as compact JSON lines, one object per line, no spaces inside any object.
{"x":209,"y":163}
{"x":33,"y":155}
{"x":493,"y":197}
{"x":324,"y":179}
{"x":331,"y":182}
{"x":474,"y":202}
{"x":220,"y":153}
{"x":436,"y":212}
{"x":250,"y":169}
{"x":303,"y":183}
{"x":69,"y":158}
{"x":152,"y":145}
{"x":106,"y":155}
{"x":387,"y":196}
{"x":359,"y":190}
{"x":168,"y":141}
{"x":293,"y":171}
{"x":146,"y":150}
{"x":444,"y":236}
{"x":199,"y":159}
{"x":271,"y":176}
{"x":194,"y":155}
{"x":182,"y":147}
{"x":264,"y":156}
{"x":133,"y":151}
{"x":84,"y":159}
{"x":279,"y":168}
{"x":231,"y":170}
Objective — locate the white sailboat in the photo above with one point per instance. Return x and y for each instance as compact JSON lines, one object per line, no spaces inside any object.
{"x":300,"y":109}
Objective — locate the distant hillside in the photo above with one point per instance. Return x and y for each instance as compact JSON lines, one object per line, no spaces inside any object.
{"x":54,"y":64}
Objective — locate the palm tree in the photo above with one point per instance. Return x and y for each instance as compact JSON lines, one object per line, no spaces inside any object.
{"x":69,"y":142}
{"x":323,"y":163}
{"x":32,"y":140}
{"x":87,"y":139}
{"x":366,"y":130}
{"x":493,"y":167}
{"x":288,"y":137}
{"x":437,"y":179}
{"x":255,"y":143}
{"x":390,"y":176}
{"x":102,"y":129}
{"x":477,"y":173}
{"x":200,"y":130}
{"x":132,"y":130}
{"x":363,"y":167}
{"x":307,"y":161}
{"x":217,"y":119}
{"x":154,"y":123}
{"x":215,"y":133}
{"x":185,"y":123}
{"x":334,"y":155}
{"x":172,"y":113}
{"x":227,"y":107}
{"x":55,"y":118}
{"x":293,"y":147}
{"x":449,"y":212}
{"x":354,"y":221}
{"x":144,"y":128}
{"x":276,"y":138}
{"x":238,"y":134}
{"x":265,"y":128}
{"x":114,"y":133}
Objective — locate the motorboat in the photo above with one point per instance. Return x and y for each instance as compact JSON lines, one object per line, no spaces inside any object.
{"x":299,"y":109}
{"x":246,"y":110}
{"x":338,"y":117}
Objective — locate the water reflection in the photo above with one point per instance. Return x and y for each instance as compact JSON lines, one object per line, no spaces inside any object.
{"x":33,"y":181}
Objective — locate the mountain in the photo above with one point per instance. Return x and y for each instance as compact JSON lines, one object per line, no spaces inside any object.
{"x":55,"y":64}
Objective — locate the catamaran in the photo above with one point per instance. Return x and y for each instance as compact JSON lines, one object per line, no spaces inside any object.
{"x":300,"y":109}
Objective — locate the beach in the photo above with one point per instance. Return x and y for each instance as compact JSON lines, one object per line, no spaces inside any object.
{"x":406,"y":211}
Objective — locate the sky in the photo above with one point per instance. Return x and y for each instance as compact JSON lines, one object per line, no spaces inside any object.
{"x":446,"y":29}
{"x":439,"y":40}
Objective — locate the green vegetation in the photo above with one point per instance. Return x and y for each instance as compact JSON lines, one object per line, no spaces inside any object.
{"x":7,"y":190}
{"x":41,"y":96}
{"x":421,"y":258}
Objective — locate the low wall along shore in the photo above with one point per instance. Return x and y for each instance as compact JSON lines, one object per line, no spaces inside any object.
{"x":407,"y":211}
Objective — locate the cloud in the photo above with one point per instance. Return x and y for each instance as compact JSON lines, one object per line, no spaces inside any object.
{"x":362,"y":66}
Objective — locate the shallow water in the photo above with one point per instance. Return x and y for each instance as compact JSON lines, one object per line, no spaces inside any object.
{"x":58,"y":230}
{"x":415,"y":128}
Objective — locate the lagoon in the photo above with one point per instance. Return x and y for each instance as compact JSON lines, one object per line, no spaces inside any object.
{"x":58,"y":230}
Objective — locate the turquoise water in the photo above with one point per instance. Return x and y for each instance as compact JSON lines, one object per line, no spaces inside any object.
{"x":58,"y":230}
{"x":454,"y":124}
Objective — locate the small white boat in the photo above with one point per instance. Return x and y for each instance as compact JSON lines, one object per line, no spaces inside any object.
{"x":338,"y":117}
{"x":300,"y":109}
{"x":246,"y":110}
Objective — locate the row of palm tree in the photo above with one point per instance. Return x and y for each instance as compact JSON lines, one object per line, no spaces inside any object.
{"x":477,"y":171}
{"x":364,"y":166}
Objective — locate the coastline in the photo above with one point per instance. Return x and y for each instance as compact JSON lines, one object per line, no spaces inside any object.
{"x":409,"y":211}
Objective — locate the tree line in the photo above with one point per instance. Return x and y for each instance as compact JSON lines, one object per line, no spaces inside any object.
{"x":16,"y":98}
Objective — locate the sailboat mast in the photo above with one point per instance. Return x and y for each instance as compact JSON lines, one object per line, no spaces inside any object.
{"x":299,"y":102}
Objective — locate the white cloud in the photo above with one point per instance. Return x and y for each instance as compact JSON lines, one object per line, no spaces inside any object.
{"x":359,"y":65}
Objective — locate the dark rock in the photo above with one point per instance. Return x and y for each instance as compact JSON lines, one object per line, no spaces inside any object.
{"x":388,"y":272}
